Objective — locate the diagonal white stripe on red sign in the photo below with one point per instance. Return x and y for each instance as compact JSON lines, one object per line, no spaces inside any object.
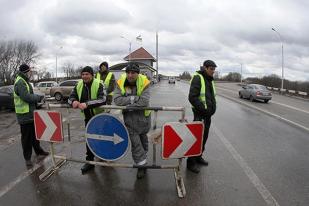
{"x":48,"y":126}
{"x":182,"y":139}
{"x":183,"y":131}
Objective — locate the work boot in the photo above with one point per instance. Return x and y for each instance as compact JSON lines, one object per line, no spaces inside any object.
{"x":201,"y":161}
{"x":193,"y":167}
{"x":42,"y":154}
{"x":141,"y":172}
{"x":86,"y":167}
{"x":29,"y":163}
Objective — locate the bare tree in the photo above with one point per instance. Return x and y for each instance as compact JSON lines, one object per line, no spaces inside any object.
{"x":68,"y":69}
{"x":13,"y":54}
{"x":47,"y":75}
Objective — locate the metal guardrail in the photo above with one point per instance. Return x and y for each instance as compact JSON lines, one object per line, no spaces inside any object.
{"x":176,"y":167}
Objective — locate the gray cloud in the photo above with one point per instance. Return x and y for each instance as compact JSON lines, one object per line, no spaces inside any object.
{"x":229,"y":32}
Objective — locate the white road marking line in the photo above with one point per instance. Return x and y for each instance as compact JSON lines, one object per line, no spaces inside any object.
{"x":274,"y":102}
{"x":22,"y":176}
{"x":266,"y":112}
{"x":258,"y":184}
{"x":291,"y":107}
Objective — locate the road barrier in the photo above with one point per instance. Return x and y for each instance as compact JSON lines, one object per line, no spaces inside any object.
{"x":155,"y":136}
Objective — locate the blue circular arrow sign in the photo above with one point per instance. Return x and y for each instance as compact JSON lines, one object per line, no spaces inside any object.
{"x":107,"y":137}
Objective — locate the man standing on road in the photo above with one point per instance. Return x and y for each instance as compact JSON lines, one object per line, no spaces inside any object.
{"x":133,"y":90}
{"x":108,"y":79}
{"x":88,"y":94}
{"x":25,"y":103}
{"x":202,"y":97}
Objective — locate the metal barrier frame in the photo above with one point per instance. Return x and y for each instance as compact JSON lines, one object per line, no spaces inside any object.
{"x":181,"y":191}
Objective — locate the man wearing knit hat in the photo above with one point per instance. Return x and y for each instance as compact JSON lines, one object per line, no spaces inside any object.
{"x":202,"y":96}
{"x":88,"y":95}
{"x":133,"y":90}
{"x":25,"y":103}
{"x":108,"y":78}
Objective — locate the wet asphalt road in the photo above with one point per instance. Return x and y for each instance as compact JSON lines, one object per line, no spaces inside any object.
{"x":255,"y":159}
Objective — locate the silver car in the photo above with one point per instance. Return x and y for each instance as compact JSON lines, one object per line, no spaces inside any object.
{"x":63,"y":90}
{"x":44,"y":87}
{"x":255,"y":92}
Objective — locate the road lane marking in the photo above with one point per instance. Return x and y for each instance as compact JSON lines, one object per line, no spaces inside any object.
{"x":266,"y":112}
{"x":291,"y":107}
{"x":255,"y":180}
{"x":272,"y":101}
{"x":22,"y":176}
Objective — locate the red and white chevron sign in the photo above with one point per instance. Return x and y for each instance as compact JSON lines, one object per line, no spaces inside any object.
{"x":182,"y":139}
{"x":48,"y":126}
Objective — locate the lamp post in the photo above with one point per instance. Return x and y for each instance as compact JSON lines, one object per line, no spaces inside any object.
{"x":57,"y":63}
{"x":282,"y":77}
{"x":130,"y":45}
{"x":240,"y":73}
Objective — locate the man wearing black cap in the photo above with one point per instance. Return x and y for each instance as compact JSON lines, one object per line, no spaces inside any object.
{"x":87,"y":95}
{"x":133,"y":90}
{"x":108,"y":79}
{"x":202,"y":97}
{"x":25,"y":103}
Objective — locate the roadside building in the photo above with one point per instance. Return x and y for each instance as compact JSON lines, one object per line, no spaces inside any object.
{"x":140,"y":56}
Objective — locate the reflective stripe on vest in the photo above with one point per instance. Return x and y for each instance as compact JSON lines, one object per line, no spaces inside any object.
{"x":106,"y":81}
{"x":93,"y":93}
{"x":202,"y":96}
{"x":141,"y":83}
{"x":21,"y":107}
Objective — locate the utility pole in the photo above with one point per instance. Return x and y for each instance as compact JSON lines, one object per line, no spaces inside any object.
{"x":282,"y":58}
{"x":157,"y":54}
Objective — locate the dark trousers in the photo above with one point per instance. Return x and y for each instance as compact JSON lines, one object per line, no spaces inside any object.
{"x":207,"y":122}
{"x":89,"y":154}
{"x":28,"y":140}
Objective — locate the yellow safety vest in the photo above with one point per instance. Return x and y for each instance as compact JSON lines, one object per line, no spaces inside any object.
{"x":93,"y":93}
{"x":202,"y":96}
{"x":21,"y":107}
{"x":106,"y":81}
{"x":141,"y":83}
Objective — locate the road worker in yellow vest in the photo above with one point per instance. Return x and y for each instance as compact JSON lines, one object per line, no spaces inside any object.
{"x":133,"y":90}
{"x":202,"y":96}
{"x":87,"y":95}
{"x":108,"y":78}
{"x":25,"y":103}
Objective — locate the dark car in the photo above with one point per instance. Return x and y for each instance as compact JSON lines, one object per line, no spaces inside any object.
{"x":7,"y":97}
{"x":255,"y":92}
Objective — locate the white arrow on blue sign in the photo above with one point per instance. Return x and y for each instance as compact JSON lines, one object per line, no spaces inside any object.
{"x":107,"y":137}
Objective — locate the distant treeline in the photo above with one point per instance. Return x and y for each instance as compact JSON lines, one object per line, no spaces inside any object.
{"x":270,"y":81}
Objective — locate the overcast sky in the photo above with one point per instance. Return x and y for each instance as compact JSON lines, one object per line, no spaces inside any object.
{"x":230,"y":32}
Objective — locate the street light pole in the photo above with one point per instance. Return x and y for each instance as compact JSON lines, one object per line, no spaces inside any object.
{"x":282,"y":57}
{"x":240,"y":73}
{"x":57,"y":63}
{"x":130,"y":46}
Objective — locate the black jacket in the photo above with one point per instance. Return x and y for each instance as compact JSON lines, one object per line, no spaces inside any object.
{"x":195,"y":89}
{"x":86,"y":98}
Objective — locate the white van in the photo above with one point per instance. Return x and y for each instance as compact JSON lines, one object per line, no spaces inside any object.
{"x":44,"y":87}
{"x":171,"y":80}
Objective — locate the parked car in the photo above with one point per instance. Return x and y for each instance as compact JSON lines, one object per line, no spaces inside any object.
{"x":255,"y":92}
{"x":63,"y":90}
{"x":7,"y":97}
{"x":45,"y":87}
{"x":171,"y":80}
{"x":154,"y":81}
